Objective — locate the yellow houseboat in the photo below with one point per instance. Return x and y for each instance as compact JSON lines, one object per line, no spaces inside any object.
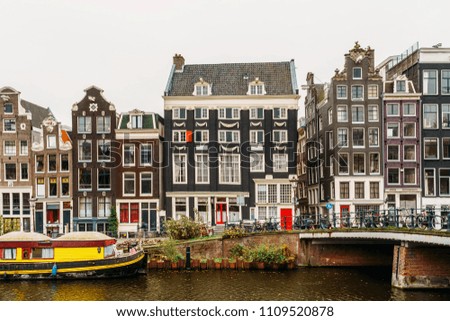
{"x":25,"y":255}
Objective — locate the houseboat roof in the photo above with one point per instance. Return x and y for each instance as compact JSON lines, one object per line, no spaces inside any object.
{"x":84,"y":236}
{"x":24,"y":237}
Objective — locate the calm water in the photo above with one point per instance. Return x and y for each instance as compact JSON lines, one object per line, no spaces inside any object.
{"x":303,"y":284}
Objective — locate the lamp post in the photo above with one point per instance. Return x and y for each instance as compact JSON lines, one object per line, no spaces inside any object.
{"x":33,"y":216}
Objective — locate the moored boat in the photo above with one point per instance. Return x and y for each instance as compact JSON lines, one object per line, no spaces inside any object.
{"x":28,"y":255}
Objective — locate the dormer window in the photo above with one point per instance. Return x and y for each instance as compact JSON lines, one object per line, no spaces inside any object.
{"x":256,"y":87}
{"x":400,"y":86}
{"x":202,"y":88}
{"x":136,"y":121}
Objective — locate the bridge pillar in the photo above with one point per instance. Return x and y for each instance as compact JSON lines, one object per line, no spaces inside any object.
{"x":416,"y":267}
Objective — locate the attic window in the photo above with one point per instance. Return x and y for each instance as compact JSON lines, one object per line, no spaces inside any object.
{"x":202,"y":88}
{"x":136,"y":121}
{"x":8,"y":108}
{"x":400,"y":86}
{"x":256,"y":87}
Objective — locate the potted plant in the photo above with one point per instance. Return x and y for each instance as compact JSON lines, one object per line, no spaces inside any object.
{"x":217,"y":263}
{"x":203,"y":264}
{"x":195,"y":263}
{"x":225,"y":263}
{"x":232,"y":263}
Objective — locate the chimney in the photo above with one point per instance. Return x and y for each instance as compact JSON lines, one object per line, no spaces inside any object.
{"x":178,"y":61}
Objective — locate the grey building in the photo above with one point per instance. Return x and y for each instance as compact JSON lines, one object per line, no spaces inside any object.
{"x":231,"y":134}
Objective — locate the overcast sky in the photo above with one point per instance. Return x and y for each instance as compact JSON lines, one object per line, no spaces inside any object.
{"x":52,"y":50}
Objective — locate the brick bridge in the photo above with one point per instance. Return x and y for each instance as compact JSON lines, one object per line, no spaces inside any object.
{"x":417,"y":260}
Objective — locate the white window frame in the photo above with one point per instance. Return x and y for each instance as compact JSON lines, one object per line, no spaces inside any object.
{"x":369,"y":113}
{"x":260,"y":165}
{"x":398,"y":153}
{"x":179,"y":136}
{"x":360,"y":71}
{"x":398,"y":175}
{"x":141,"y":149}
{"x":254,"y":137}
{"x":235,"y":113}
{"x":339,"y":113}
{"x":124,"y":179}
{"x":425,"y":87}
{"x":443,"y":148}
{"x":87,"y":128}
{"x":370,"y":159}
{"x":363,"y":139}
{"x":388,"y":111}
{"x":404,"y":176}
{"x":151,"y":183}
{"x":364,"y":164}
{"x":236,"y":169}
{"x":338,"y":92}
{"x":177,"y":111}
{"x":404,"y":105}
{"x":424,"y":147}
{"x":354,"y":107}
{"x":398,"y":130}
{"x":183,"y":176}
{"x":436,"y":113}
{"x":204,"y":136}
{"x":279,"y":136}
{"x":378,"y":136}
{"x":425,"y":187}
{"x":201,"y":169}
{"x":354,"y":98}
{"x":254,"y":112}
{"x":106,"y":141}
{"x":21,"y":153}
{"x":204,"y":113}
{"x":102,"y":124}
{"x":404,"y":126}
{"x":51,"y":142}
{"x":371,"y":86}
{"x":9,"y":150}
{"x":278,"y":160}
{"x":98,"y":180}
{"x":80,"y":151}
{"x":338,"y":137}
{"x":442,"y":82}
{"x":13,"y":124}
{"x":404,"y":153}
{"x":282,"y":113}
{"x":133,"y":152}
{"x":234,"y":136}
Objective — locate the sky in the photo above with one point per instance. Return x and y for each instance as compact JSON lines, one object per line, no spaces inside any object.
{"x":54,"y":49}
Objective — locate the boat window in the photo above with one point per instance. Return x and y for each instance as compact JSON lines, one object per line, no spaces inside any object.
{"x":42,"y":253}
{"x":8,"y":254}
{"x":109,"y":251}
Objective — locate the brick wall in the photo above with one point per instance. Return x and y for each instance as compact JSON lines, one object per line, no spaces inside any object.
{"x":344,"y":254}
{"x":421,"y":267}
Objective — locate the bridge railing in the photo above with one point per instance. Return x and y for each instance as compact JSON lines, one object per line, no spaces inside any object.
{"x":396,"y":218}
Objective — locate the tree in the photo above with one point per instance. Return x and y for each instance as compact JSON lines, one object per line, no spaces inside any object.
{"x":113,"y":223}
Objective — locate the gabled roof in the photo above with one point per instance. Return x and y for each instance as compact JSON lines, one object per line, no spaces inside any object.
{"x":38,"y":113}
{"x":232,"y":79}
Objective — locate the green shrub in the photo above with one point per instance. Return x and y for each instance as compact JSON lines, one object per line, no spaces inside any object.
{"x":184,"y":228}
{"x":170,"y":251}
{"x":234,"y":232}
{"x":237,"y":250}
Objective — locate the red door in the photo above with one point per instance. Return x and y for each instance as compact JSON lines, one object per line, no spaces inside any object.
{"x":221,"y":212}
{"x":286,"y":218}
{"x":344,"y":214}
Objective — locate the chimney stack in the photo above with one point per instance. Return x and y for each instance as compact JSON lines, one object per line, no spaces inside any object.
{"x":178,"y":61}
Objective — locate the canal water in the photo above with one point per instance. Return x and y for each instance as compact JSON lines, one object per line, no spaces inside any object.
{"x":300,"y":285}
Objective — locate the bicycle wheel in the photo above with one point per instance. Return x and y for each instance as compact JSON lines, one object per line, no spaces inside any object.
{"x":422,"y":222}
{"x":409,"y":221}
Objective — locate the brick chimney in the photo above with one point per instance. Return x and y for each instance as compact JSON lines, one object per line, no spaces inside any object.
{"x":178,"y":61}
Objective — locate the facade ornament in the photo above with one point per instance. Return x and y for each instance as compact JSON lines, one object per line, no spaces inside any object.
{"x":222,"y":124}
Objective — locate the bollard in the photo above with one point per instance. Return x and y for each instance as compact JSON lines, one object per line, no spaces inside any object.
{"x":188,"y":257}
{"x":396,"y":218}
{"x":334,"y":219}
{"x":412,"y":219}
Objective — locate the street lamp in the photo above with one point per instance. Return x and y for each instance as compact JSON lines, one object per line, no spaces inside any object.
{"x":33,"y":217}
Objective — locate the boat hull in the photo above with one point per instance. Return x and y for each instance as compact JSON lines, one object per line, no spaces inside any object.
{"x":122,"y":266}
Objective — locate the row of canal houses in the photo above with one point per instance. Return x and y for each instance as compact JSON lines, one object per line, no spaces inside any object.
{"x":377,"y":137}
{"x":231,"y":147}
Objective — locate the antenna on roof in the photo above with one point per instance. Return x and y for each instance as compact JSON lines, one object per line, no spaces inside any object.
{"x":438,"y":45}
